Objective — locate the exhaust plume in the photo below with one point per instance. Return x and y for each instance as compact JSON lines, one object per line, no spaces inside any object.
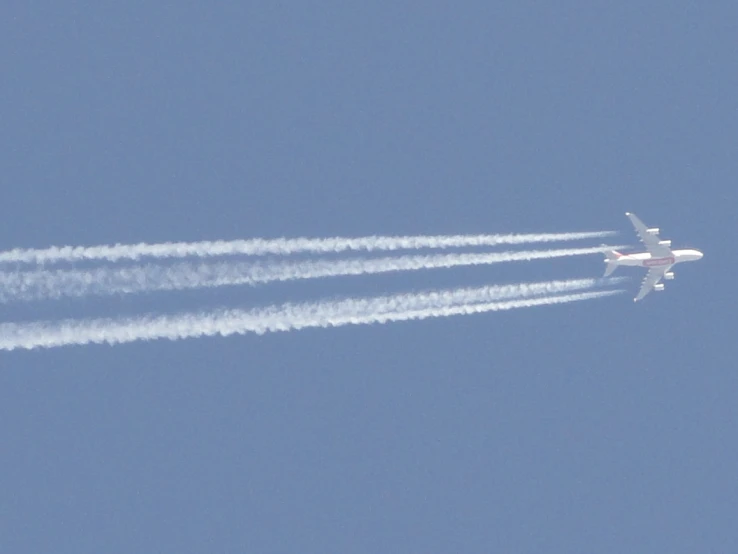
{"x":35,"y":285}
{"x":280,"y":246}
{"x":290,"y":317}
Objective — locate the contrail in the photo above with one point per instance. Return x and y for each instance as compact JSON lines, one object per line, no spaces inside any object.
{"x":290,"y":317}
{"x":40,"y":284}
{"x":281,"y":246}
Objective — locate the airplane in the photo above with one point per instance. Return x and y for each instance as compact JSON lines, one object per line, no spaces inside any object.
{"x":658,"y":259}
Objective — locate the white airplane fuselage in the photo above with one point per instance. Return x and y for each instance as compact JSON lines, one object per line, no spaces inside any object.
{"x":658,"y":258}
{"x":645,"y":259}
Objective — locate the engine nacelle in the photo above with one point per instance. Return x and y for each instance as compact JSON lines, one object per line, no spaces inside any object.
{"x":666,"y":243}
{"x":659,"y":287}
{"x":668,"y":276}
{"x":654,"y":231}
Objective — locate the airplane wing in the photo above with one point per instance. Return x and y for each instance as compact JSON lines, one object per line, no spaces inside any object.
{"x":652,"y":278}
{"x":650,"y":237}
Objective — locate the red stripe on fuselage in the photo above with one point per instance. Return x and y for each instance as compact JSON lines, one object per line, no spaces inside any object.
{"x":655,"y":262}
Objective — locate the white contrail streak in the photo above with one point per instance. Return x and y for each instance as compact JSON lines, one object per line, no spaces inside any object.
{"x":289,"y":317}
{"x":35,"y":285}
{"x":280,"y":246}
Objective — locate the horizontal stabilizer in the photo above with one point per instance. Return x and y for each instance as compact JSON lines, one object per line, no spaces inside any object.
{"x":611,"y":257}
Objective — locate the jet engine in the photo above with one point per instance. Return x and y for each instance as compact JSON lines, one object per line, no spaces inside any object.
{"x":659,"y":287}
{"x":654,"y":231}
{"x":666,"y":243}
{"x":668,"y":276}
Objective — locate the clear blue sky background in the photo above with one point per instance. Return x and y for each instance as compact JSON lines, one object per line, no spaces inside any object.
{"x":596,"y":427}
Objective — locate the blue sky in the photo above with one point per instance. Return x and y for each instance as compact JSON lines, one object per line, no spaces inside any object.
{"x":601,"y":426}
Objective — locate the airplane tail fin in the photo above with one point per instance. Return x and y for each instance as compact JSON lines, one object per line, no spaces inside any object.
{"x":611,"y":258}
